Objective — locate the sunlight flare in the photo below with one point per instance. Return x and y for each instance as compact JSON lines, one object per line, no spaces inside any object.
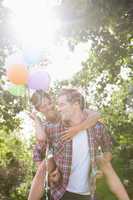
{"x":34,"y":22}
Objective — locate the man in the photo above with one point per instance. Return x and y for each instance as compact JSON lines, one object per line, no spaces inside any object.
{"x":43,"y":103}
{"x":77,"y":157}
{"x":71,"y":104}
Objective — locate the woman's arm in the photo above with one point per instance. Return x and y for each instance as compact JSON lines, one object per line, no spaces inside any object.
{"x":39,"y":129}
{"x":91,"y":119}
{"x":113,"y":181}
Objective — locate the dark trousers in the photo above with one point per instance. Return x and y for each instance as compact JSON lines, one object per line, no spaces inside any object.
{"x":70,"y":196}
{"x":74,"y":196}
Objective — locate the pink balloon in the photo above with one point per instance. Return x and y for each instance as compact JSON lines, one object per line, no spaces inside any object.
{"x":39,"y":80}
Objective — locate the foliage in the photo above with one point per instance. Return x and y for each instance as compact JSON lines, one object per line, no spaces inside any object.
{"x":15,"y":167}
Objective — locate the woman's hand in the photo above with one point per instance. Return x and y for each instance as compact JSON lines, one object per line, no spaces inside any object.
{"x":69,"y":134}
{"x":34,"y":116}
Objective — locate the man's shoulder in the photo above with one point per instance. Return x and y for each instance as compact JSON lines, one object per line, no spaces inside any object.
{"x":97,"y":130}
{"x":99,"y":125}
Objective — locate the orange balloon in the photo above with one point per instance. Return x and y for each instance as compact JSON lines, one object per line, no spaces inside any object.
{"x":17,"y":74}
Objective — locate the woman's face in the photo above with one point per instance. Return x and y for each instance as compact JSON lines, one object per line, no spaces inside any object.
{"x":47,"y":108}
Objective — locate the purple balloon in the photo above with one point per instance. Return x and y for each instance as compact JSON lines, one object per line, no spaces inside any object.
{"x":39,"y":80}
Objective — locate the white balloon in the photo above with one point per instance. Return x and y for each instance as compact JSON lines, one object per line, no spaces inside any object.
{"x":16,"y":58}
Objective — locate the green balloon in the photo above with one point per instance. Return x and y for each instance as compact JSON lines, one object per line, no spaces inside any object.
{"x":17,"y":90}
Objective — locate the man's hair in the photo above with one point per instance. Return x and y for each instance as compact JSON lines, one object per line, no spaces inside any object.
{"x":38,"y":97}
{"x":73,"y":95}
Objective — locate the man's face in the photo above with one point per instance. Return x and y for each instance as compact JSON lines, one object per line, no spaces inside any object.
{"x":65,"y":108}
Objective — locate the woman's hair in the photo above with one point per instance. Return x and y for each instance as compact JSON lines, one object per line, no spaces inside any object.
{"x":73,"y":95}
{"x":38,"y":97}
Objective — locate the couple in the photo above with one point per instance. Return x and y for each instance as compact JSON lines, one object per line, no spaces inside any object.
{"x":74,"y":152}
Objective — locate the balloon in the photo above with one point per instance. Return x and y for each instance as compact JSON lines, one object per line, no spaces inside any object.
{"x":18,"y":90}
{"x":39,"y":80}
{"x":16,"y":58}
{"x":17,"y":74}
{"x":32,"y":55}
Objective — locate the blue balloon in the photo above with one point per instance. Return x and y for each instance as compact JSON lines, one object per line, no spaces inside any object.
{"x":33,"y":55}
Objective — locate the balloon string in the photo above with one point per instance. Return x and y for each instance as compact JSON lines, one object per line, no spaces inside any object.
{"x":46,"y":177}
{"x":25,"y":99}
{"x":28,"y":100}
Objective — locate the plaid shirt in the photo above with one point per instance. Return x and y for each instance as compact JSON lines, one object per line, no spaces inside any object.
{"x":97,"y":136}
